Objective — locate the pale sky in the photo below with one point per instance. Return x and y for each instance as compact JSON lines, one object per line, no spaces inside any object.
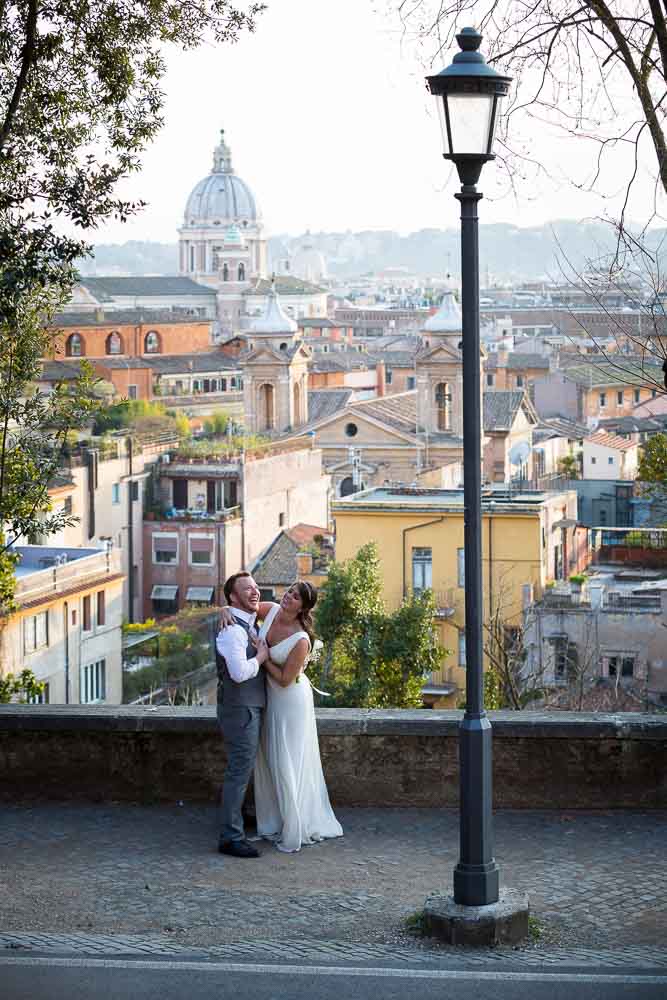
{"x":327,"y":116}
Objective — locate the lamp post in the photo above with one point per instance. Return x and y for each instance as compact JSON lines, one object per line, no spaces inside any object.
{"x":468,"y":94}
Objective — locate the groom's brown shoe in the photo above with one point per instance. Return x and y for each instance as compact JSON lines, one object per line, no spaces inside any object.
{"x":238,"y":849}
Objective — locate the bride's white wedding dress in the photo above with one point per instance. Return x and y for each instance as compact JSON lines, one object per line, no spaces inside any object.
{"x":291,"y":799}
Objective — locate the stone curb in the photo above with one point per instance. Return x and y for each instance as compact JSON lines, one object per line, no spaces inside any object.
{"x":130,"y":945}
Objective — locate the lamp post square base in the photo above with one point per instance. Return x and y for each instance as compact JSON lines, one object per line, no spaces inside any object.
{"x":504,"y":922}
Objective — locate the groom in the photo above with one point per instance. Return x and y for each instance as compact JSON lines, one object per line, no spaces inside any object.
{"x":241,"y":703}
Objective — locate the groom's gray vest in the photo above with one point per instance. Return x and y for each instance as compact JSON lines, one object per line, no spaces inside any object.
{"x":247,"y":694}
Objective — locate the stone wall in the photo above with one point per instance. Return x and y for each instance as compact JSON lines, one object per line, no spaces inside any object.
{"x":371,"y":758}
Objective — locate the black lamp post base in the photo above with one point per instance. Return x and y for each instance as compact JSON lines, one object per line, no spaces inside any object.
{"x":477,"y":885}
{"x":476,"y":879}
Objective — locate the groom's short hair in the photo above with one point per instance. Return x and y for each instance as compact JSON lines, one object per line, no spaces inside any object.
{"x":230,"y":583}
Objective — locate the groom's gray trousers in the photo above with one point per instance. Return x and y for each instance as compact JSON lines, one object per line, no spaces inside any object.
{"x":241,"y":728}
{"x":240,"y":712}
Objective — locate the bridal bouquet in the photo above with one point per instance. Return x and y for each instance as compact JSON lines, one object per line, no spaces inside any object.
{"x":314,"y":656}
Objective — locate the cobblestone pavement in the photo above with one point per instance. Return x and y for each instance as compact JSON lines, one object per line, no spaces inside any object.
{"x":147,"y":880}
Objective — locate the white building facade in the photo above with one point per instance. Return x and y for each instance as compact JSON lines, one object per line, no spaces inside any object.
{"x":67,"y":626}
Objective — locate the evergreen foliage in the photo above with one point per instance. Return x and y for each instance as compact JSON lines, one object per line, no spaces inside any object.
{"x":372,"y":658}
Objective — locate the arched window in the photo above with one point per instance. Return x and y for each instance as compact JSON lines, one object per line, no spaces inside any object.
{"x":266,"y":421}
{"x":241,"y":272}
{"x":443,"y":402}
{"x":225,"y":273}
{"x":152,"y":343}
{"x":75,"y":347}
{"x":114,"y":344}
{"x":347,"y":487}
{"x":283,"y":346}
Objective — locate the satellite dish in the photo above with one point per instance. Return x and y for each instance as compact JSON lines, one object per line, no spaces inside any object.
{"x":519,"y":453}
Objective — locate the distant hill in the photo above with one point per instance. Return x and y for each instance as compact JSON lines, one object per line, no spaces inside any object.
{"x":133,"y":257}
{"x":507,"y":253}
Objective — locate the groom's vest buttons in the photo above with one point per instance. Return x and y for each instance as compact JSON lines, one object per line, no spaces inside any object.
{"x":247,"y":694}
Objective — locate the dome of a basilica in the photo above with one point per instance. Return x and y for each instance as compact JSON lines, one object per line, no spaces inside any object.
{"x":221,"y":198}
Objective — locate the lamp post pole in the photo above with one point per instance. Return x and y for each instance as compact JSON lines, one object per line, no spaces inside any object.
{"x":476,"y":876}
{"x":468,"y":95}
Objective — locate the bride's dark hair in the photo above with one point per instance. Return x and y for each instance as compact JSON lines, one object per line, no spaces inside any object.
{"x":308,"y":595}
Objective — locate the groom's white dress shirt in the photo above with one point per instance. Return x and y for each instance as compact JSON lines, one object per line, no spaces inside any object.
{"x":232,"y":644}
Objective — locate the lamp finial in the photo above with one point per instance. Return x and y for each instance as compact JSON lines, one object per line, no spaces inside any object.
{"x":469,"y":39}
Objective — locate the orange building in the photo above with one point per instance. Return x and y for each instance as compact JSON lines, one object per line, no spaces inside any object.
{"x":122,"y":336}
{"x":147,"y":355}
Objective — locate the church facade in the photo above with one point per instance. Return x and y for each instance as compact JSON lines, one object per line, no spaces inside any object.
{"x":414,"y":436}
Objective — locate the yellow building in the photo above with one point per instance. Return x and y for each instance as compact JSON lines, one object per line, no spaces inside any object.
{"x":419,"y":533}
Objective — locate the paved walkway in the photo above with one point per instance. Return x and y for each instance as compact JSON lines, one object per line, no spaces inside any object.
{"x":119,"y":879}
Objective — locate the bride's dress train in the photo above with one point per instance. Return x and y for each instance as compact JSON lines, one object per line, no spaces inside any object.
{"x":291,"y":799}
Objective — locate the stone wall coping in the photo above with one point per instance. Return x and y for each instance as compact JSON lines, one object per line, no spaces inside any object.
{"x":336,"y":722}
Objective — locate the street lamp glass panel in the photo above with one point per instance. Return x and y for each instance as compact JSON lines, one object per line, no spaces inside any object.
{"x":471,"y":124}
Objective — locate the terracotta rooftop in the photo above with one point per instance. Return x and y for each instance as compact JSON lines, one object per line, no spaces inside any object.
{"x":278,"y":565}
{"x":398,"y":410}
{"x":611,"y":441}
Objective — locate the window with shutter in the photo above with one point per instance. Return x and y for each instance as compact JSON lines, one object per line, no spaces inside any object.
{"x":165,"y":548}
{"x":201,"y":550}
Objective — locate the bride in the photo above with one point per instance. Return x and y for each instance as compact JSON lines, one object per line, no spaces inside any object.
{"x":291,"y":799}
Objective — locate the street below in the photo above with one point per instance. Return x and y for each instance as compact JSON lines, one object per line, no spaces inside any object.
{"x":49,"y":978}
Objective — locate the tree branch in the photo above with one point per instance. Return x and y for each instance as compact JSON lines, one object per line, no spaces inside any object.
{"x":28,"y":56}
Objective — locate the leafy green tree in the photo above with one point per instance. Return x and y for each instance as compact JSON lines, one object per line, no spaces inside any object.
{"x":652,"y":469}
{"x":352,"y":594}
{"x":34,"y":429}
{"x":22,"y":688}
{"x":652,"y":473}
{"x":80,"y":99}
{"x":569,"y":466}
{"x":372,"y":659}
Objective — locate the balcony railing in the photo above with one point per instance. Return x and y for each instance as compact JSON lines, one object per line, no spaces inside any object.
{"x":64,"y":576}
{"x":563,"y":600}
{"x":194,"y":514}
{"x":445,"y":601}
{"x":632,"y":602}
{"x":611,"y":602}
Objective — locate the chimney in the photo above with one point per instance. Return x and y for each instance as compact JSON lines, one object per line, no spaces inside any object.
{"x":380,"y":375}
{"x":304,"y":564}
